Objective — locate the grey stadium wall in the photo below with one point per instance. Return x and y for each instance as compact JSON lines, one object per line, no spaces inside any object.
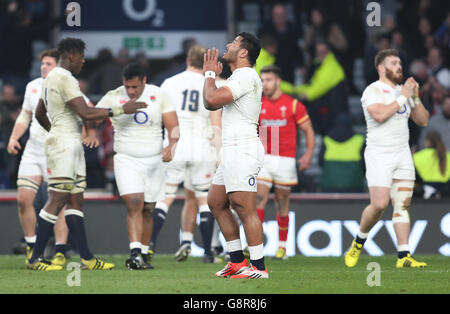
{"x":319,"y":226}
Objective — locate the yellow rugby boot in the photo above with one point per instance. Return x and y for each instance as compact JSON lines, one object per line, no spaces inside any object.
{"x":280,"y":254}
{"x":96,"y":264}
{"x":409,"y":262}
{"x":59,"y":259}
{"x":42,"y":265}
{"x":352,"y":255}
{"x":28,"y":254}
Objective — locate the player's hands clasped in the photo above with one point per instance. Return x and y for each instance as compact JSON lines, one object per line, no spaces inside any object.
{"x":211,"y":62}
{"x":410,"y":87}
{"x":132,"y":106}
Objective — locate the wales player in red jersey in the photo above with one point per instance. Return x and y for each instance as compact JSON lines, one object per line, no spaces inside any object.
{"x":281,"y":117}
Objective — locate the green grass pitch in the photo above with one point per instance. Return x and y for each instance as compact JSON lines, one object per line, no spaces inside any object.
{"x":297,"y":275}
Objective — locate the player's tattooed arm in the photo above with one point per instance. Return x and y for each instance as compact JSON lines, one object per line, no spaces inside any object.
{"x":41,"y":115}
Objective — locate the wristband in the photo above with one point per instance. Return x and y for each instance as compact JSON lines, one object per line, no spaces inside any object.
{"x":401,"y":100}
{"x":116,"y":111}
{"x":210,"y":74}
{"x":417,"y":100}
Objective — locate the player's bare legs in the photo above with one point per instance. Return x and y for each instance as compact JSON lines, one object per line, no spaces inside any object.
{"x":402,"y":229}
{"x":244,"y":203}
{"x":379,"y":200}
{"x":219,"y":204}
{"x":147,"y":222}
{"x":147,"y":230}
{"x":27,"y":214}
{"x":189,"y":212}
{"x":134,"y":204}
{"x":188,"y":224}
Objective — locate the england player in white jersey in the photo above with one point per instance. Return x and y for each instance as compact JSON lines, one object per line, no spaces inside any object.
{"x":33,"y":166}
{"x":66,"y":107}
{"x":194,"y":163}
{"x":242,"y":153}
{"x":390,"y":172}
{"x":138,"y":162}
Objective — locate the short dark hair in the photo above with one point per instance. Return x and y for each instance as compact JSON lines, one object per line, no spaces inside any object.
{"x":383,"y":54}
{"x":272,"y":69}
{"x":253,"y":46}
{"x":71,"y":45}
{"x":132,"y":70}
{"x":52,"y":53}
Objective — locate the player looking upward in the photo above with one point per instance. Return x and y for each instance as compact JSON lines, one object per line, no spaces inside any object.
{"x":390,"y":172}
{"x":242,"y":153}
{"x":62,"y":99}
{"x":281,"y":118}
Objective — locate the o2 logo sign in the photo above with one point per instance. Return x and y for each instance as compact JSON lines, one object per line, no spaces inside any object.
{"x":149,"y":11}
{"x":252,"y":181}
{"x":141,"y":118}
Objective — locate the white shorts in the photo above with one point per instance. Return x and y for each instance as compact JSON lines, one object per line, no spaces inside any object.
{"x":140,"y":175}
{"x":239,"y":167}
{"x":195,"y":175}
{"x":278,"y":170}
{"x":65,"y":157}
{"x":33,"y":162}
{"x":382,"y":166}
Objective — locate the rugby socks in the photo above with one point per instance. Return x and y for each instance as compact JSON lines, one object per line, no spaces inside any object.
{"x":257,"y":256}
{"x":30,"y":241}
{"x":135,"y":248}
{"x":46,"y":222}
{"x":260,"y":213}
{"x":159,"y":217}
{"x":234,"y":248}
{"x":61,"y":248}
{"x":75,"y":222}
{"x":361,"y":237}
{"x":186,"y":238}
{"x":283,"y":228}
{"x":402,"y":250}
{"x":206,"y":227}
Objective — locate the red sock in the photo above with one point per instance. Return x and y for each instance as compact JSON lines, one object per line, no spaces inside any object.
{"x":283,"y":227}
{"x":260,"y":212}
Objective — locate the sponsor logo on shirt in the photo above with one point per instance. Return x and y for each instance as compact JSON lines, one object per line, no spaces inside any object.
{"x":277,"y":122}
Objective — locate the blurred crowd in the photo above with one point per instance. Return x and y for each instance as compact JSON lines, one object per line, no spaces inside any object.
{"x":325,"y":49}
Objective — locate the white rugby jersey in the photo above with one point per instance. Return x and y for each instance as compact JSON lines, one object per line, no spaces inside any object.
{"x":241,"y":117}
{"x":139,"y":134}
{"x":59,"y":87}
{"x":30,"y":102}
{"x":31,"y":99}
{"x":185,"y":91}
{"x":393,"y":132}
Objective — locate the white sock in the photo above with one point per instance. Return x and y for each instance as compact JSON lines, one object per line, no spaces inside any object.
{"x":256,"y":252}
{"x":234,"y":245}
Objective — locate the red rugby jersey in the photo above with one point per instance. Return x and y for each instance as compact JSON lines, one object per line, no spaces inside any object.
{"x":278,"y":125}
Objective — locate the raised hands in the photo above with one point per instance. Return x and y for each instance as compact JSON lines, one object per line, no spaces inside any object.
{"x":211,"y":62}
